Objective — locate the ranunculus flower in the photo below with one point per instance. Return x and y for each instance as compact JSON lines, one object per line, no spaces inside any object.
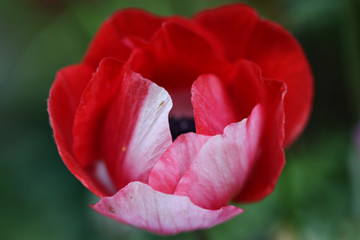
{"x":227,"y":69}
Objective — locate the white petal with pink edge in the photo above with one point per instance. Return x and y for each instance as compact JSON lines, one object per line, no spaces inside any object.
{"x":151,"y":136}
{"x":223,"y":163}
{"x":139,"y":205}
{"x":174,"y":163}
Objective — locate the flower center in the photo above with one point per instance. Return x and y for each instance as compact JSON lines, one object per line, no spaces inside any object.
{"x":181,"y":125}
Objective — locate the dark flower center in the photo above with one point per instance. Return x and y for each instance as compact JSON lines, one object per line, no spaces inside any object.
{"x":182,"y":125}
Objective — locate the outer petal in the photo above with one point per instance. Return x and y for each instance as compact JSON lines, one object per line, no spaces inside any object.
{"x":175,"y":162}
{"x":139,"y":205}
{"x":136,"y":128}
{"x":271,"y":159}
{"x":274,"y":49}
{"x":280,"y":57}
{"x":232,"y":26}
{"x":95,"y":100}
{"x":223,"y":163}
{"x":63,"y":101}
{"x":213,"y":109}
{"x":121,"y":33}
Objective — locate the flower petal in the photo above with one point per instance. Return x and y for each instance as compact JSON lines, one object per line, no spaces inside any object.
{"x":174,"y":58}
{"x":240,"y":21}
{"x":280,"y":57}
{"x":223,"y":163}
{"x":218,"y":103}
{"x":213,"y":109}
{"x":247,"y":87}
{"x":121,"y":33}
{"x":63,"y":101}
{"x":277,"y":53}
{"x":271,"y":159}
{"x":139,"y":205}
{"x":175,"y":162}
{"x":95,"y":100}
{"x":136,"y":128}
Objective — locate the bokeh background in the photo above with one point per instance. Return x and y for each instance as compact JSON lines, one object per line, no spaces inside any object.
{"x":317,"y":196}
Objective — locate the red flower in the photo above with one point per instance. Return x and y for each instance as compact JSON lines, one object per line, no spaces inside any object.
{"x":227,"y":68}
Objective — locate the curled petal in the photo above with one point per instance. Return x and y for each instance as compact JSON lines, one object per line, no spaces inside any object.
{"x":122,"y":119}
{"x":223,"y":164}
{"x":270,"y":159}
{"x":95,"y":100}
{"x":136,"y":128}
{"x":280,"y":57}
{"x":139,"y":205}
{"x":62,"y":104}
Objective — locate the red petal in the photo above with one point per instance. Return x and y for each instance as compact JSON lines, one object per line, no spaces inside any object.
{"x":175,"y":57}
{"x":221,"y":167}
{"x":213,"y":109}
{"x":232,"y":26}
{"x":136,"y":128}
{"x":88,"y":121}
{"x":139,"y":205}
{"x":217,"y":104}
{"x":175,"y":162}
{"x":280,"y":57}
{"x":121,"y":33}
{"x":63,"y":101}
{"x":276,"y":52}
{"x":246,"y":88}
{"x":270,"y":161}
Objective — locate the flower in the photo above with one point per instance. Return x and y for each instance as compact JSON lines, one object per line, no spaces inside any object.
{"x":227,"y":69}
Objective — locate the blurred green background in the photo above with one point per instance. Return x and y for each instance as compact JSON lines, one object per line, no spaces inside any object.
{"x":317,"y":196}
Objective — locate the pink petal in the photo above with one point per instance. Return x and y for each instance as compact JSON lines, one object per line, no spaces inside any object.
{"x":63,"y":101}
{"x":175,"y":162}
{"x":136,"y":128}
{"x":220,"y":170}
{"x":121,"y":33}
{"x":139,"y":205}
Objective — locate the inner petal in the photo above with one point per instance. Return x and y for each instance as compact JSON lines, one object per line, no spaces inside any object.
{"x":173,"y":59}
